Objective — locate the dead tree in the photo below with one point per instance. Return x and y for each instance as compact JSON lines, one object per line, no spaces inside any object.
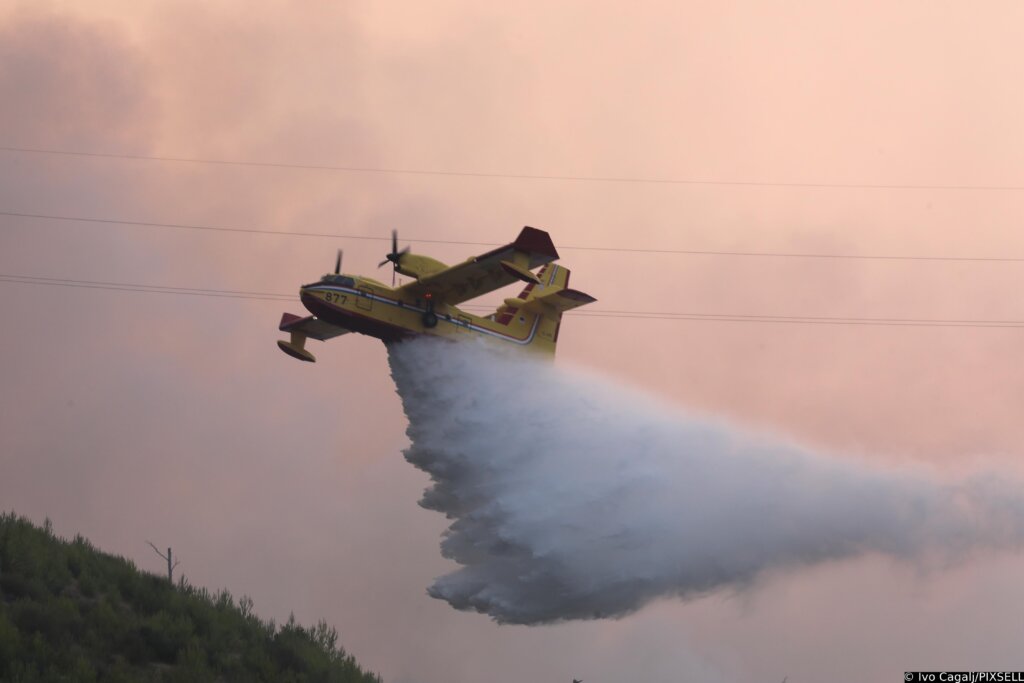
{"x":170,"y":565}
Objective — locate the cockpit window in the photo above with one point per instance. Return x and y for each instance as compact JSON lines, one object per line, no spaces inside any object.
{"x":340,"y":280}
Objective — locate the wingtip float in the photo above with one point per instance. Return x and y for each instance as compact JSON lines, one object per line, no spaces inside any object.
{"x":428,"y":305}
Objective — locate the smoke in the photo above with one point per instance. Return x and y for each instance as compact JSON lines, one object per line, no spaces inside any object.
{"x":573,"y":498}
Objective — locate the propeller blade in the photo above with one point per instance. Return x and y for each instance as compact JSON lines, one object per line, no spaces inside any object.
{"x":337,"y":264}
{"x":395,"y":256}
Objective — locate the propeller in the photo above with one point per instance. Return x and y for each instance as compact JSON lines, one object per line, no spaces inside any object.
{"x":337,"y":264}
{"x":395,"y":256}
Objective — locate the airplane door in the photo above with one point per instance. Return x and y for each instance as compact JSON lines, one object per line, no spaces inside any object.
{"x":365,"y":299}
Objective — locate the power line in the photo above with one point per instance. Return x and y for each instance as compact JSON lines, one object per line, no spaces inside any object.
{"x":800,"y":320}
{"x":515,"y":176}
{"x":135,"y":287}
{"x":690,"y":252}
{"x":220,"y":228}
{"x":777,"y":318}
{"x":599,"y":313}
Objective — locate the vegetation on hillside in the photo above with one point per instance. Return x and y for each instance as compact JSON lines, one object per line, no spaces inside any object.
{"x":69,"y":612}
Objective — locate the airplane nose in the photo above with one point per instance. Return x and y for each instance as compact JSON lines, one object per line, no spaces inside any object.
{"x":306,"y":291}
{"x":309,"y":300}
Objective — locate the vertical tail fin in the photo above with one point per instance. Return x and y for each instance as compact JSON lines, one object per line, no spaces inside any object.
{"x":552,"y":277}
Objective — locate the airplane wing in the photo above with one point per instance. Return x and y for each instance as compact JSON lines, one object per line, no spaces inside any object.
{"x":495,"y":269}
{"x":310,"y":326}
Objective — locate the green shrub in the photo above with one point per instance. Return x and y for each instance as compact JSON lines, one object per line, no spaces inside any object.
{"x":10,"y":643}
{"x":14,"y":586}
{"x":166,"y":635}
{"x":71,"y":613}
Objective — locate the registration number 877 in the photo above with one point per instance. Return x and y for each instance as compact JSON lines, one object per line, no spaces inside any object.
{"x":334,"y":298}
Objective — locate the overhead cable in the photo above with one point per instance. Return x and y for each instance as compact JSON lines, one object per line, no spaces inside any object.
{"x":598,"y":313}
{"x":515,"y":176}
{"x":637,"y":250}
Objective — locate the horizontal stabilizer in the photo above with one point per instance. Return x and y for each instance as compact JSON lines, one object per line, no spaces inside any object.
{"x":560,"y":300}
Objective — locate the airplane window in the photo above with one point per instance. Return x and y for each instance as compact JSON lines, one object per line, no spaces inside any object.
{"x":341,"y":280}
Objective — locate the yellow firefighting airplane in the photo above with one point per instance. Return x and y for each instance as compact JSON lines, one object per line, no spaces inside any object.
{"x":346,"y":303}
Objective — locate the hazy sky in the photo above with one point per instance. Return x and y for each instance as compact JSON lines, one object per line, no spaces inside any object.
{"x":129,"y":416}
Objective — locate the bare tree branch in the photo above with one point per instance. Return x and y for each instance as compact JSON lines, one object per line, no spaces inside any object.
{"x":157,"y":551}
{"x":169,"y":557}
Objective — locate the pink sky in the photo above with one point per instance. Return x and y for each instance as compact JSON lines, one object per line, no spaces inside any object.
{"x":128,"y":417}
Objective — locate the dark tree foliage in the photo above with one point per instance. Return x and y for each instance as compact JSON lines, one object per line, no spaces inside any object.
{"x":71,"y":613}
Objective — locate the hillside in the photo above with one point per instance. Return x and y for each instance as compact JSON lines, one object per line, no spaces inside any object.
{"x":69,"y":612}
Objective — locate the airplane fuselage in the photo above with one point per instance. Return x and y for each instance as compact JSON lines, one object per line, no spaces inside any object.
{"x":370,"y":307}
{"x":429,"y":303}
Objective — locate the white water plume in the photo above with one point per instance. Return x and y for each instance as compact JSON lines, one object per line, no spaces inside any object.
{"x":573,"y":498}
